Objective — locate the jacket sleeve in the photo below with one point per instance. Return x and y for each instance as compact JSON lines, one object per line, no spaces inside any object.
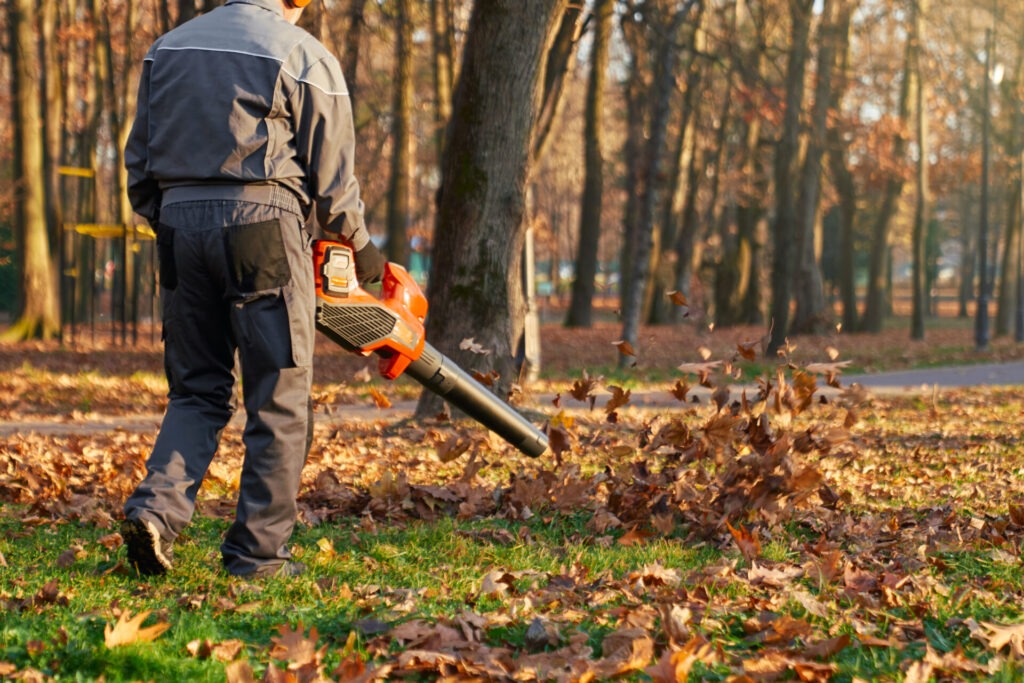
{"x":143,"y":190}
{"x":325,"y":140}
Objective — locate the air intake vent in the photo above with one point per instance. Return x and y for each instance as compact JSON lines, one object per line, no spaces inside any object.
{"x":357,"y":325}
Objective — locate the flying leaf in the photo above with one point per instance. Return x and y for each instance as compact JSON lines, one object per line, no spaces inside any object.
{"x":620,"y":397}
{"x":488,"y":379}
{"x":680,"y":390}
{"x":748,"y":349}
{"x":379,"y":399}
{"x":678,"y":298}
{"x":702,"y":370}
{"x":128,"y":630}
{"x":470,"y":345}
{"x":624,"y":347}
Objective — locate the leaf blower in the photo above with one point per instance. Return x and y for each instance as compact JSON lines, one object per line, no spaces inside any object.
{"x":392,"y":327}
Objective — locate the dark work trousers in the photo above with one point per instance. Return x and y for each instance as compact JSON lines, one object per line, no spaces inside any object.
{"x":236,"y":276}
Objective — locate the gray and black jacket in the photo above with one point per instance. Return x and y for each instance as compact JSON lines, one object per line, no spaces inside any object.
{"x":240,"y":96}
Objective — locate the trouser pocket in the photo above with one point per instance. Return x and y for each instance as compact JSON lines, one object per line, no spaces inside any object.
{"x":256,"y":256}
{"x":165,"y":256}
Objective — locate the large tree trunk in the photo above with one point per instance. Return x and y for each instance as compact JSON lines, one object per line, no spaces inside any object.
{"x":399,"y":204}
{"x":811,"y":315}
{"x":581,"y":307}
{"x":475,"y":280}
{"x":40,"y":314}
{"x":786,"y":158}
{"x":919,"y":294}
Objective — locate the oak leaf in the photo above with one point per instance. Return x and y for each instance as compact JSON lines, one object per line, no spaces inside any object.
{"x":998,"y":636}
{"x":128,"y":630}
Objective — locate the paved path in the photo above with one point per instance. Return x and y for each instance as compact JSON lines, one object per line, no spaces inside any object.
{"x":902,"y":382}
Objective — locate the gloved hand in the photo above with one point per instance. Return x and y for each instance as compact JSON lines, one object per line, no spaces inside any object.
{"x":369,"y":264}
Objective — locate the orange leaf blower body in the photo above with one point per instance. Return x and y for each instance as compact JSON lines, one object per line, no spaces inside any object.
{"x":392,"y":327}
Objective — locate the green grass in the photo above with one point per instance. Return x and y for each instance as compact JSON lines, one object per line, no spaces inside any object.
{"x":420,"y":570}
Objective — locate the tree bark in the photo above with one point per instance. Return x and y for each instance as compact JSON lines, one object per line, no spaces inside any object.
{"x":875,"y":307}
{"x":40,"y":314}
{"x":399,"y":202}
{"x":353,"y":42}
{"x":811,"y":316}
{"x":786,"y":158}
{"x":842,"y":176}
{"x":581,"y":307}
{"x":444,"y":63}
{"x":918,"y":243}
{"x":475,"y":280}
{"x":665,"y":61}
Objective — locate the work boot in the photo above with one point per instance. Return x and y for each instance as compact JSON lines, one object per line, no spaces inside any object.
{"x":147,"y":552}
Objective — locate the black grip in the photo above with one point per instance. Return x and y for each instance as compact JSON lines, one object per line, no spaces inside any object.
{"x":440,"y":375}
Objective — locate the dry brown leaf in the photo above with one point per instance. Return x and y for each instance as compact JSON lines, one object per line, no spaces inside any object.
{"x":998,"y":636}
{"x":747,"y":542}
{"x":128,"y":630}
{"x":619,"y":398}
{"x":294,"y":647}
{"x":624,"y":347}
{"x":678,"y":298}
{"x":379,"y":399}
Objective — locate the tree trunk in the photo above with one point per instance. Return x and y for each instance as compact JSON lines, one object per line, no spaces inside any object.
{"x":53,"y":123}
{"x":561,"y":58}
{"x":350,"y":56}
{"x":666,"y":59}
{"x":875,"y":307}
{"x":475,"y":280}
{"x":919,"y":294}
{"x":443,"y":48}
{"x":664,"y":275}
{"x":40,"y":314}
{"x":581,"y":306}
{"x":186,"y":11}
{"x":842,"y":176}
{"x":786,"y":158}
{"x":733,"y":276}
{"x":399,"y":204}
{"x":811,"y":315}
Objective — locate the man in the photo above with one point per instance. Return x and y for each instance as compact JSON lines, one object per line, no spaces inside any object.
{"x":244,"y":126}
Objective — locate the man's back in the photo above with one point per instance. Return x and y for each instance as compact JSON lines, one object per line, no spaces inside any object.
{"x":220,"y":97}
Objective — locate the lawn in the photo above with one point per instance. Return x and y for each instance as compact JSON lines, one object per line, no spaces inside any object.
{"x":796,"y":531}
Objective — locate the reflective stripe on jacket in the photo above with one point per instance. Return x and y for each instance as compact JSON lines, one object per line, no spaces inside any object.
{"x":239,"y":95}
